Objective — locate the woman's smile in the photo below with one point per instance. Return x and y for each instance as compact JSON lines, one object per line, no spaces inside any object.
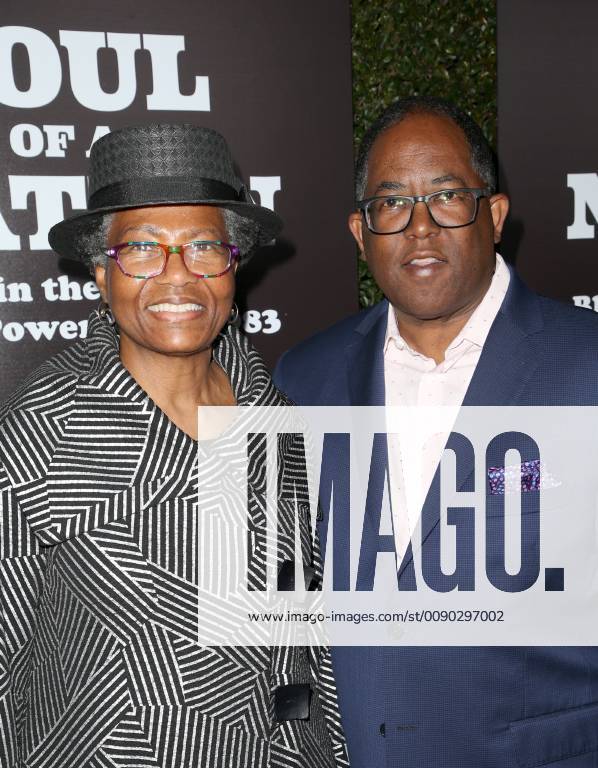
{"x":168,"y":310}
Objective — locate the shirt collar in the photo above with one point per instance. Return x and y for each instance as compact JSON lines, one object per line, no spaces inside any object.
{"x":248,"y":375}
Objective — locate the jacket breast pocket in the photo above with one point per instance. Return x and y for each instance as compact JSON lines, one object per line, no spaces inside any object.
{"x":570,"y":736}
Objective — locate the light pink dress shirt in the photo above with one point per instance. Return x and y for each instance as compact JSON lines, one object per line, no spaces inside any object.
{"x":425,"y":399}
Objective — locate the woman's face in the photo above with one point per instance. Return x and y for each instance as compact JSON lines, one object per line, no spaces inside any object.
{"x":141,"y":307}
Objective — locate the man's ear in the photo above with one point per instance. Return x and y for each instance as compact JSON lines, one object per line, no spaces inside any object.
{"x":100,"y":278}
{"x":356,"y":226}
{"x":499,"y":207}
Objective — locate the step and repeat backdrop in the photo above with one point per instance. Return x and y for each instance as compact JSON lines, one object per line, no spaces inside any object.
{"x":274,"y":77}
{"x":548,"y":144}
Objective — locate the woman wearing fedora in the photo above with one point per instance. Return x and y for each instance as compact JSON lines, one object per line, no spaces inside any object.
{"x":99,"y":660}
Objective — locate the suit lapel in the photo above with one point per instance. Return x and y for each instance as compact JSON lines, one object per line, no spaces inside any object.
{"x":365,"y":358}
{"x":511,"y":355}
{"x":512,"y":352}
{"x":365,"y":384}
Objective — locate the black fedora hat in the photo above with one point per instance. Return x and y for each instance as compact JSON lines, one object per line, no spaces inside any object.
{"x":163,"y":164}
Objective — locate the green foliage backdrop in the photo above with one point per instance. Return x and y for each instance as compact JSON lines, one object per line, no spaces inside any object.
{"x":432,"y":47}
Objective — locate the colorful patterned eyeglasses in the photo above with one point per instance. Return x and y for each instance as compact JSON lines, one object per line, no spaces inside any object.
{"x":203,"y":258}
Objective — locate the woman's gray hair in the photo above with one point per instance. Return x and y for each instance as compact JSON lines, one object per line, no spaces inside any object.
{"x":242,"y":232}
{"x":96,"y":242}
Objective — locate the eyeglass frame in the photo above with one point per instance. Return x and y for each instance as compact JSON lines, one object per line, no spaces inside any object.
{"x":113,"y":253}
{"x":478,"y":192}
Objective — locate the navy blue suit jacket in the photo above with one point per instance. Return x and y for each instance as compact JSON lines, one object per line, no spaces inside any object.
{"x":474,"y":707}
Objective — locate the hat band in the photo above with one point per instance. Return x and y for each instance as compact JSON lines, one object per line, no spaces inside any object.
{"x":136,"y":193}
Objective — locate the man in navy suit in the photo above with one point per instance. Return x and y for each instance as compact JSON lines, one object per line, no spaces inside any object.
{"x":457,"y":327}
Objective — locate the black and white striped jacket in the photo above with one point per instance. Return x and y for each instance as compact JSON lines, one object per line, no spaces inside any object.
{"x":99,"y":661}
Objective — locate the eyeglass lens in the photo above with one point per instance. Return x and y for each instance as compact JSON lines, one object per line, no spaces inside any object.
{"x":449,"y":208}
{"x":149,"y":259}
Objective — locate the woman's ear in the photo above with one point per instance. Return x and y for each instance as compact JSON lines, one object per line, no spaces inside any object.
{"x":100,"y":278}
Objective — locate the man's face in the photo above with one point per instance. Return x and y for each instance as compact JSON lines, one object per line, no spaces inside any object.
{"x":144,"y":309}
{"x":422,"y":154}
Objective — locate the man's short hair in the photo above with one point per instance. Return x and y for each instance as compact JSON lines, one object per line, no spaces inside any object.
{"x":482,"y":156}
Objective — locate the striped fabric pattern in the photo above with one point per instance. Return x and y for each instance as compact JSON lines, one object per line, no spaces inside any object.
{"x":99,"y":661}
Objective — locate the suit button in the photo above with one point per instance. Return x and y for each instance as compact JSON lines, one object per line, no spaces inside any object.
{"x":383,"y":729}
{"x":291,"y":702}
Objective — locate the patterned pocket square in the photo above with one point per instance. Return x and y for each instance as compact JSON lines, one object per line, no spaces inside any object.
{"x":532,"y":475}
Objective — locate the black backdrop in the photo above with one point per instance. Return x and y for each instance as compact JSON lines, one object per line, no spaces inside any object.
{"x":273,"y":76}
{"x":548,"y":143}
